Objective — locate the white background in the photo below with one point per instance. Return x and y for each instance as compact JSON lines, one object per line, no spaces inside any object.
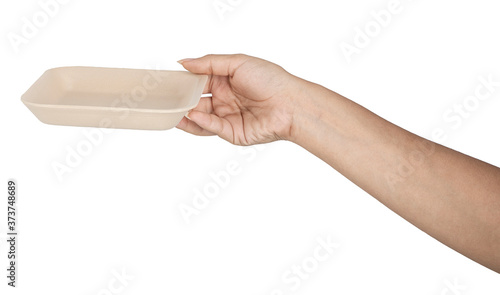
{"x":119,"y":209}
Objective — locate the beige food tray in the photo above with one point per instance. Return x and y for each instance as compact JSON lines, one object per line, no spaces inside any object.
{"x":114,"y":98}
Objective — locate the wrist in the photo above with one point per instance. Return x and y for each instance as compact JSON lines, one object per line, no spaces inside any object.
{"x":308,"y":106}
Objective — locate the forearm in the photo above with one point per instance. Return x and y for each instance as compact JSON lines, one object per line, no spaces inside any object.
{"x":452,"y":197}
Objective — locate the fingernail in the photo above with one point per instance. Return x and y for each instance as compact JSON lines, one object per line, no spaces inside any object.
{"x":184,"y":60}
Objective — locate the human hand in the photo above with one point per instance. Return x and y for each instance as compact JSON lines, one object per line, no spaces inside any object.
{"x":255,"y":101}
{"x":250,"y":103}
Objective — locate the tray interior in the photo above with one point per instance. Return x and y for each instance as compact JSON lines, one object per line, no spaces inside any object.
{"x":109,"y":87}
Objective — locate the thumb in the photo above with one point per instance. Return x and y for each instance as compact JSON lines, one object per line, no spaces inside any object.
{"x":215,"y":64}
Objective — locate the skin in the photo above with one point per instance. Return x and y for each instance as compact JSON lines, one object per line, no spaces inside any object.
{"x":450,"y":196}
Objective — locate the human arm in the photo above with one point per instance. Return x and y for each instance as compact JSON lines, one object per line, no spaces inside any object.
{"x":451,"y":196}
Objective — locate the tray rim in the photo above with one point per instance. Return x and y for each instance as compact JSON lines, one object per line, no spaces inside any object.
{"x":203,"y":80}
